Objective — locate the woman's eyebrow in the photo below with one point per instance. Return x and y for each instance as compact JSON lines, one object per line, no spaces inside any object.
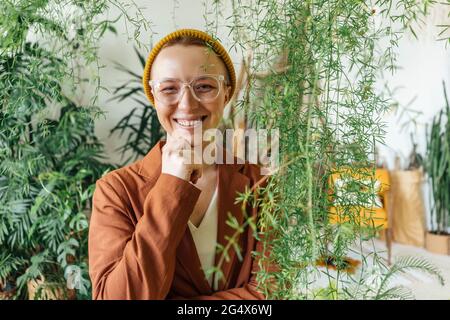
{"x":169,"y":78}
{"x":190,"y":79}
{"x":203,"y":75}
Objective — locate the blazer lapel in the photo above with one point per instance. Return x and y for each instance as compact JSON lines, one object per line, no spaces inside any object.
{"x":231,"y":181}
{"x":188,"y":257}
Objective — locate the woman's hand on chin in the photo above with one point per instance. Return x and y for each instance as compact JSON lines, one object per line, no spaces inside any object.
{"x":178,"y":158}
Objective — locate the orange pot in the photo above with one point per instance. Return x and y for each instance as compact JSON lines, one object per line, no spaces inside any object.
{"x":438,"y":243}
{"x":48,"y":292}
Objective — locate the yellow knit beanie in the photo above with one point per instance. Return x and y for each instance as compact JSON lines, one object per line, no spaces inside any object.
{"x":214,"y":44}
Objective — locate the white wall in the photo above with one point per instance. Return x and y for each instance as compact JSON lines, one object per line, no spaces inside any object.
{"x":424,"y":62}
{"x":417,"y":85}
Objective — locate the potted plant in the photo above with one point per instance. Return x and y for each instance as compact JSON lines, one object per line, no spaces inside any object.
{"x":50,"y":157}
{"x":438,"y":169}
{"x":408,"y":209}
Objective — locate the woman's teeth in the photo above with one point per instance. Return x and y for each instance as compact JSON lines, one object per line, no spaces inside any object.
{"x":188,"y":123}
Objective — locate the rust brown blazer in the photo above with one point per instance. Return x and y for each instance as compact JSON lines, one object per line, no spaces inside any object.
{"x":139,"y":243}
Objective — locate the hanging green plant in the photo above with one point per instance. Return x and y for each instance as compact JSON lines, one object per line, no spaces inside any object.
{"x":312,"y":71}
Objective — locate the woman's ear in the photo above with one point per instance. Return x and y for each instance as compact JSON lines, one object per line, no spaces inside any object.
{"x":227,"y":94}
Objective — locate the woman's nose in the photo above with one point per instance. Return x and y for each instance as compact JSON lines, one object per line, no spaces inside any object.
{"x":187,"y":100}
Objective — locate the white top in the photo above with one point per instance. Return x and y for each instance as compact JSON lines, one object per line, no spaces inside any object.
{"x":205,"y":236}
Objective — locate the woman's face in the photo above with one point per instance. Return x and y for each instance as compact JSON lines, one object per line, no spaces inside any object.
{"x":186,"y":63}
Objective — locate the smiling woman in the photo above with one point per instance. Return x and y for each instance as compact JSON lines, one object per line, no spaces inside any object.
{"x":156,"y":224}
{"x":180,"y":66}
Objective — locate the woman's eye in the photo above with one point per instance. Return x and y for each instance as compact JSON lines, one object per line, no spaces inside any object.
{"x":169,"y":90}
{"x":204,"y":87}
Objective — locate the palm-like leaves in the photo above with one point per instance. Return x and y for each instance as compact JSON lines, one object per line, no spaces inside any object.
{"x":47,"y":165}
{"x":404,"y":264}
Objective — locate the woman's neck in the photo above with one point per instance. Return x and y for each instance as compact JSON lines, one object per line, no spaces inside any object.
{"x":208,"y":177}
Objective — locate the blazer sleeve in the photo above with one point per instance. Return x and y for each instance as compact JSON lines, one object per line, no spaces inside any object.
{"x":128,"y":261}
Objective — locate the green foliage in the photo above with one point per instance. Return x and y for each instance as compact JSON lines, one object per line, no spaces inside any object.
{"x":50,"y":157}
{"x":401,"y":265}
{"x":8,"y":265}
{"x":313,"y":68}
{"x":47,"y":164}
{"x":438,"y":168}
{"x":141,"y":123}
{"x":376,"y":282}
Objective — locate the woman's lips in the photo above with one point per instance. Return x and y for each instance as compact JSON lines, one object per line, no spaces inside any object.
{"x":189,"y":123}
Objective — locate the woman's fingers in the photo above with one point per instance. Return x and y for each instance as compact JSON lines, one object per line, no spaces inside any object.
{"x":181,"y":159}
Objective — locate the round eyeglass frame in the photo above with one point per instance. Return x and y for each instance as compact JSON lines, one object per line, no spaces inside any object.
{"x":219,"y":77}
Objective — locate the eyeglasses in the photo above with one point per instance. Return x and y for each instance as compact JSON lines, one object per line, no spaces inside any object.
{"x":205,"y":88}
